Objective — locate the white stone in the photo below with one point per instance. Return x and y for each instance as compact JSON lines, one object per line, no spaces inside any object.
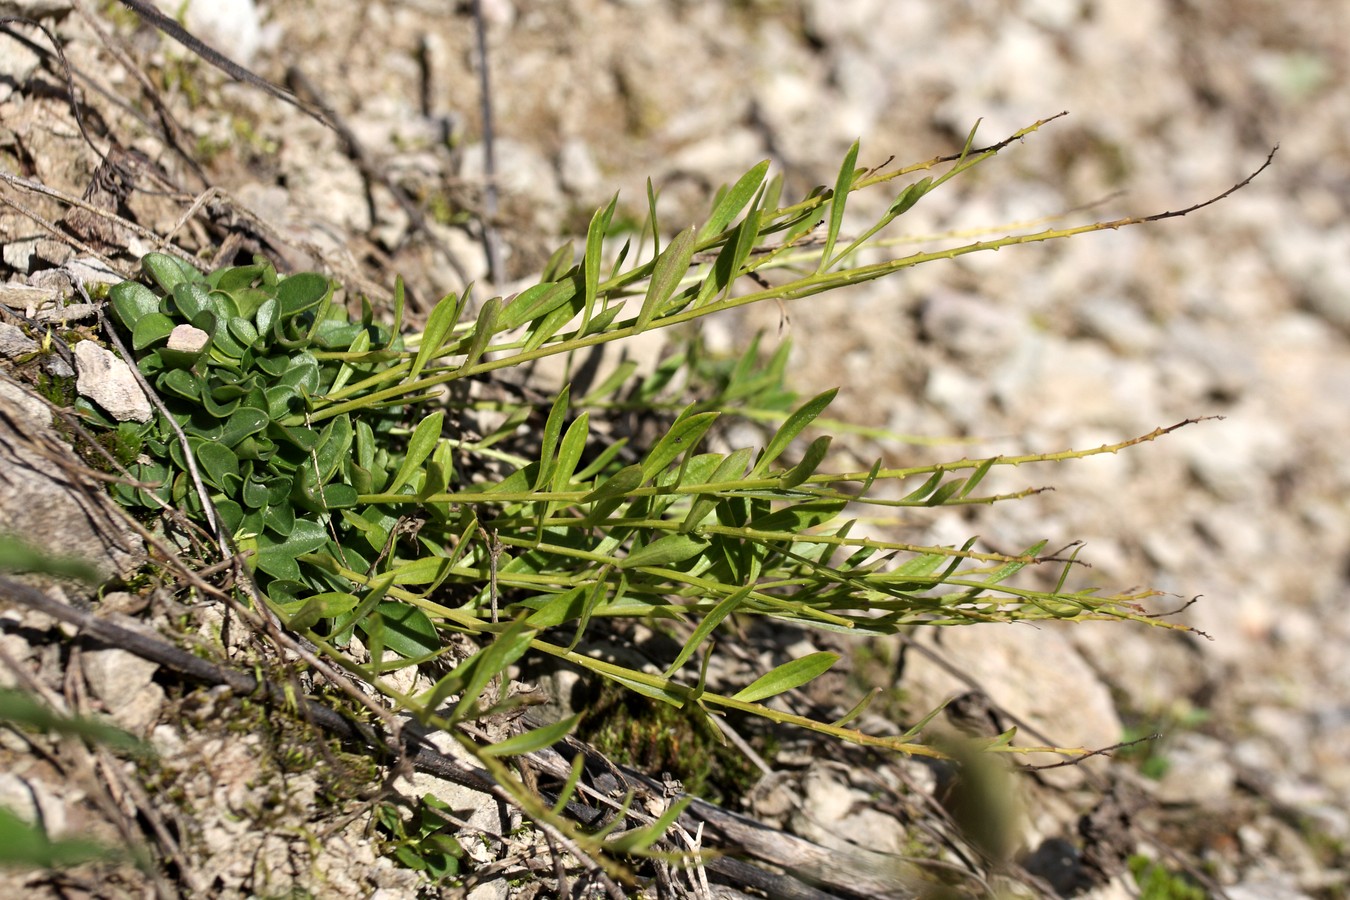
{"x":105,"y":379}
{"x":34,"y":411}
{"x":1031,"y":671}
{"x":17,"y":63}
{"x":231,"y":26}
{"x":1199,"y":773}
{"x":117,"y":676}
{"x":187,"y":339}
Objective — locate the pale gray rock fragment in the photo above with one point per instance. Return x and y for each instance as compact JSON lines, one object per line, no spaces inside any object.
{"x":106,"y":380}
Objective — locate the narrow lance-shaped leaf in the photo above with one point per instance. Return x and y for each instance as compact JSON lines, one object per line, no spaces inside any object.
{"x":910,"y":196}
{"x":652,"y":220}
{"x":665,"y":551}
{"x":733,"y":200}
{"x":773,"y":192}
{"x":730,"y":469}
{"x":420,"y":445}
{"x":1012,"y":567}
{"x":535,"y":304}
{"x":705,"y":627}
{"x":378,"y":590}
{"x":811,"y":460}
{"x":917,"y":728}
{"x":595,"y":239}
{"x":557,"y":264}
{"x":748,"y":234}
{"x":483,"y":330}
{"x":945,"y":492}
{"x":594,"y":596}
{"x":925,"y":489}
{"x":531,"y":741}
{"x":842,"y":185}
{"x":788,"y":676}
{"x":669,"y":269}
{"x":491,"y":661}
{"x":683,"y":436}
{"x":569,"y":788}
{"x":639,"y":839}
{"x":858,"y":708}
{"x":546,"y":326}
{"x":399,"y":302}
{"x":573,"y":445}
{"x":739,"y":243}
{"x":549,"y":440}
{"x":439,"y":323}
{"x":977,"y":476}
{"x":788,"y":431}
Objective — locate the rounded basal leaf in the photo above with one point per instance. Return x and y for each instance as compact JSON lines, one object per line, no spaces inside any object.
{"x":151,"y":329}
{"x":168,"y":271}
{"x":223,"y":342}
{"x":298,"y":436}
{"x":300,"y":292}
{"x":150,"y":365}
{"x":306,"y":612}
{"x":222,"y":410}
{"x":282,"y":400}
{"x":279,"y":519}
{"x":407,"y":630}
{"x":205,"y":320}
{"x":255,"y":447}
{"x":234,"y":278}
{"x":190,"y":299}
{"x":361,"y":479}
{"x":303,"y":372}
{"x":284,"y":590}
{"x":231,"y":513}
{"x":335,"y":448}
{"x":153,"y":473}
{"x":132,"y":301}
{"x":266,"y":316}
{"x":243,"y":331}
{"x":222,"y":304}
{"x":339,"y":496}
{"x":181,"y":383}
{"x":278,"y":489}
{"x":278,"y":558}
{"x":335,"y":334}
{"x":273,"y":365}
{"x":254,"y":493}
{"x":244,"y":422}
{"x":247,"y":301}
{"x":216,"y":462}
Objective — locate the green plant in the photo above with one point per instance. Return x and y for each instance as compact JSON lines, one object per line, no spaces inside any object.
{"x":652,"y":736}
{"x":337,"y":453}
{"x":424,"y":841}
{"x":1149,"y":737}
{"x":1157,"y":883}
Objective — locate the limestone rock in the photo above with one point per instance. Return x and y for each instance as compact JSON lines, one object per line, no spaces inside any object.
{"x":107,"y":380}
{"x":40,"y":502}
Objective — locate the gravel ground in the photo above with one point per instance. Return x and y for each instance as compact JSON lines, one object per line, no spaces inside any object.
{"x":1241,"y":310}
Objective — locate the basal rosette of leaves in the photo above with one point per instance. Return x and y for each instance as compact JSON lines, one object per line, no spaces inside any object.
{"x":269,"y":347}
